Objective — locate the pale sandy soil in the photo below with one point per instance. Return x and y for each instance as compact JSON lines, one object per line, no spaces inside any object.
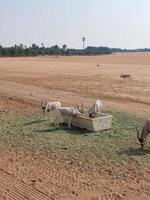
{"x":72,"y":80}
{"x":78,"y":79}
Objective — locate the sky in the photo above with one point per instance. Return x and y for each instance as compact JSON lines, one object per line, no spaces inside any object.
{"x":112,"y":23}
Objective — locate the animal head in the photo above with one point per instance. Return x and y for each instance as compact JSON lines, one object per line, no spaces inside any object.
{"x":43,"y":105}
{"x":92,"y":112}
{"x":140,"y":138}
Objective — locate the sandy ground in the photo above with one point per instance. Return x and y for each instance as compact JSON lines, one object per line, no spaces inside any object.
{"x":72,"y":80}
{"x":79,"y":80}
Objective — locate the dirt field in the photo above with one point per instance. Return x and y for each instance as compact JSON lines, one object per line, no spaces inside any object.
{"x":111,"y":168}
{"x":79,"y":79}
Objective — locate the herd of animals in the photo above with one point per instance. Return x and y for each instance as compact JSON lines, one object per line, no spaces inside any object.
{"x":57,"y":112}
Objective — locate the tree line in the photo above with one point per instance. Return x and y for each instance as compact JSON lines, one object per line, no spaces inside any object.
{"x":35,"y":50}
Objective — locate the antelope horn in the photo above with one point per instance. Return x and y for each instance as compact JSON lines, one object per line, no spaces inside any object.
{"x":45,"y":102}
{"x":77,"y":106}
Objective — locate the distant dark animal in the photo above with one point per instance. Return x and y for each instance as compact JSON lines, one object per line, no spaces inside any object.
{"x":98,"y":65}
{"x":123,"y":75}
{"x":144,"y":133}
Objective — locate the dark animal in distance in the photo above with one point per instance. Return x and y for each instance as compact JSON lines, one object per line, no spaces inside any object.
{"x":125,"y":75}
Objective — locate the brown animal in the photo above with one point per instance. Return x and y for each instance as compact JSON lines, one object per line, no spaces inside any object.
{"x":123,"y":75}
{"x":144,"y":133}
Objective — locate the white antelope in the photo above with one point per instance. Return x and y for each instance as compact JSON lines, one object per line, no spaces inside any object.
{"x":50,"y":107}
{"x":64,"y":111}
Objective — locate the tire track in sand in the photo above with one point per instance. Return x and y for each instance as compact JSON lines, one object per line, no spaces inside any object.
{"x":14,"y":189}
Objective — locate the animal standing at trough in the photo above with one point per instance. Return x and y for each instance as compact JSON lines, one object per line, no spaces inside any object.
{"x":50,"y":107}
{"x":76,"y":116}
{"x":64,"y":111}
{"x":97,"y":107}
{"x":92,"y":120}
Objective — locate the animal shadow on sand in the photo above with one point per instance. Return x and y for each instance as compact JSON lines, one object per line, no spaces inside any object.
{"x":133,"y":152}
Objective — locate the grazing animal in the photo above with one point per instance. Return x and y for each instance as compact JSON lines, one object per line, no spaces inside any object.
{"x":64,"y":111}
{"x":97,"y":107}
{"x":144,"y":133}
{"x":123,"y":75}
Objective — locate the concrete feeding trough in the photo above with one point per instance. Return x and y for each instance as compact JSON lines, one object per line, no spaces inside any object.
{"x":100,"y":122}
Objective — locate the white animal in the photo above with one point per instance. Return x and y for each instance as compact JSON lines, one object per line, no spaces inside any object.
{"x":50,"y":107}
{"x":97,"y":107}
{"x":64,"y":111}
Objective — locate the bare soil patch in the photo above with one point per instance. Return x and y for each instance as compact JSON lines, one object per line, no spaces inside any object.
{"x":79,"y":79}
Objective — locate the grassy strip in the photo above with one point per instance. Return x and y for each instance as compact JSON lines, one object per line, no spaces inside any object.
{"x":33,"y":133}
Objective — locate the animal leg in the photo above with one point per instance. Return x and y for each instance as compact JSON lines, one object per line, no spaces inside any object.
{"x":69,"y":122}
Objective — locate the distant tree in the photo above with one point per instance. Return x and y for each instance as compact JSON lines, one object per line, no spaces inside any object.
{"x":64,"y":48}
{"x":34,"y":50}
{"x":55,"y":50}
{"x":21,"y":46}
{"x":42,"y":49}
{"x":42,"y":44}
{"x":1,"y":50}
{"x":34,"y":46}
